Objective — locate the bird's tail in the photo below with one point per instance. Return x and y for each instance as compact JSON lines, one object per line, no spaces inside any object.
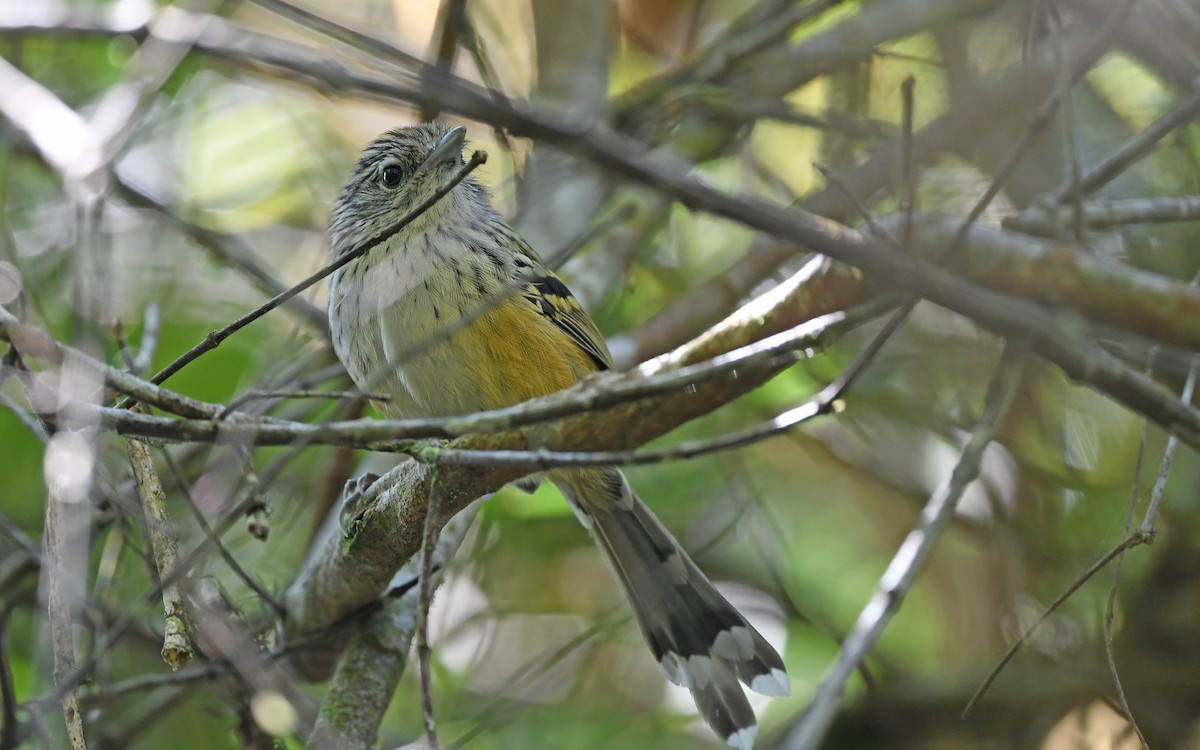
{"x":700,"y":640}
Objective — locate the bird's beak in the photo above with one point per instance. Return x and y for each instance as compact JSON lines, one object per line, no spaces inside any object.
{"x":448,"y":149}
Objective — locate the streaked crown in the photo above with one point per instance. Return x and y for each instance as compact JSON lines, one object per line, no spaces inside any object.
{"x":393,"y":175}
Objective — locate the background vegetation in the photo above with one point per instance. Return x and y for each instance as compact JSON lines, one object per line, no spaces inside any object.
{"x":165,"y":169}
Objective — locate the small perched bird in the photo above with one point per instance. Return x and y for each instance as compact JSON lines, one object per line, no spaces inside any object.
{"x":454,"y":314}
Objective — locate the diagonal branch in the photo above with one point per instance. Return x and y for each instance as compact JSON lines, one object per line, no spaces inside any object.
{"x":910,"y":559}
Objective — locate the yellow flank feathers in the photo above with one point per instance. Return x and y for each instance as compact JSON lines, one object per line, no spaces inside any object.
{"x":524,"y":355}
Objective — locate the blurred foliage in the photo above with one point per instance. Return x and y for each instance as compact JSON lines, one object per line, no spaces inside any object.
{"x":799,"y":528}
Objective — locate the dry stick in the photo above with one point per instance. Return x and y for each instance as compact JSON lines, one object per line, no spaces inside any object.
{"x":908,"y":194}
{"x":205,"y":670}
{"x":177,"y":647}
{"x":910,"y":559}
{"x":151,"y":328}
{"x":123,"y":345}
{"x":214,"y":339}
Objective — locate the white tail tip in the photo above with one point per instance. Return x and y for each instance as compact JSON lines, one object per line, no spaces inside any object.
{"x":743,"y":739}
{"x":775,"y":683}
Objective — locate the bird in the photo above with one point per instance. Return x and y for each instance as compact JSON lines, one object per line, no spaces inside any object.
{"x":455,"y":313}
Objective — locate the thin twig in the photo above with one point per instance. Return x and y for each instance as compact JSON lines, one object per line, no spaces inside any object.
{"x":908,"y":165}
{"x":123,"y":345}
{"x":1160,"y":485}
{"x":1132,"y":540}
{"x":222,"y":550}
{"x":1110,"y":605}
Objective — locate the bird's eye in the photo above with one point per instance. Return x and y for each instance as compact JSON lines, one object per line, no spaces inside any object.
{"x":391,"y":176}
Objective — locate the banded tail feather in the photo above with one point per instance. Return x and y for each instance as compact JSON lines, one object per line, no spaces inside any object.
{"x":700,"y":640}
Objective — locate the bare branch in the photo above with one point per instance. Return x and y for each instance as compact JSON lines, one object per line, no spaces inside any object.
{"x":177,"y":648}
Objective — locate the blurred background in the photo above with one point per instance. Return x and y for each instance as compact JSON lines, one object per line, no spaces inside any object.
{"x":224,"y":132}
